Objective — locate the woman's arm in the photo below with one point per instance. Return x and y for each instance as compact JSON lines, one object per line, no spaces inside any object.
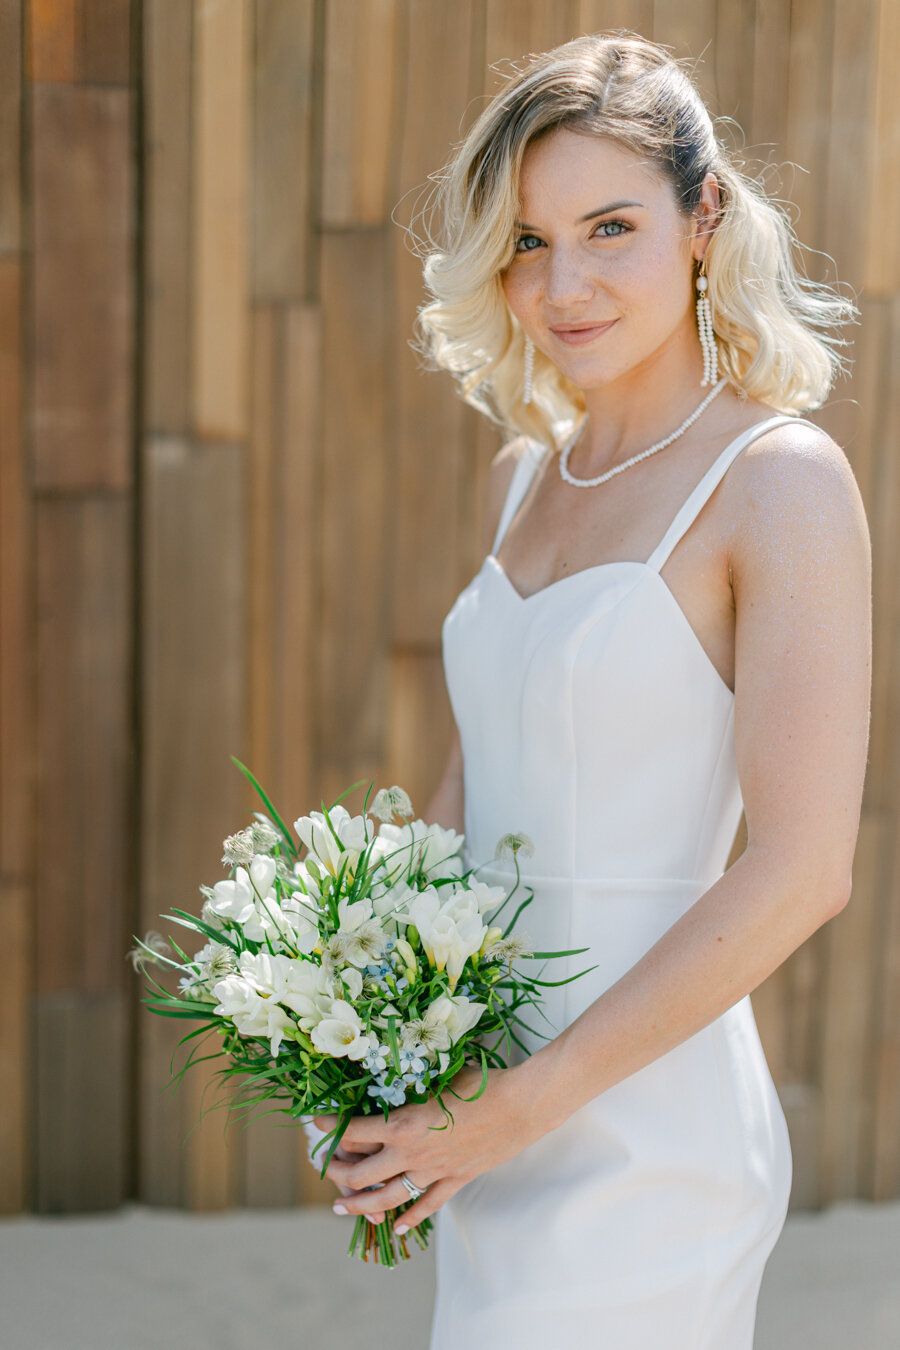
{"x":801,"y":567}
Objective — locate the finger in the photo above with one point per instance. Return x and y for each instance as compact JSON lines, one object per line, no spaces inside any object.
{"x":429,"y":1203}
{"x":361,"y":1130}
{"x":393,"y":1194}
{"x":368,"y":1171}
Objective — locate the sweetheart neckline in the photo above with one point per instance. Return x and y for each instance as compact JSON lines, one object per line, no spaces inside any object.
{"x":602,"y":567}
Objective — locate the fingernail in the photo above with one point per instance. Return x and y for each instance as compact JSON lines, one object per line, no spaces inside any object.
{"x":401,"y":1228}
{"x":339,"y":1209}
{"x":371,"y":1218}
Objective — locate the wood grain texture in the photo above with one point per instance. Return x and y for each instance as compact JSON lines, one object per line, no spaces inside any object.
{"x":83,"y":279}
{"x":194,"y":682}
{"x":234,"y":510}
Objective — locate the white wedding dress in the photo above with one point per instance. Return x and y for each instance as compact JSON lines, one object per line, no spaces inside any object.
{"x":592,"y":719}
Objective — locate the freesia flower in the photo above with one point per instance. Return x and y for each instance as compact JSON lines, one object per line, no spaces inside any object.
{"x":252,"y":1014}
{"x":353,"y":836}
{"x":419,"y":846}
{"x":450,"y":931}
{"x":342,"y":1033}
{"x":364,"y":937}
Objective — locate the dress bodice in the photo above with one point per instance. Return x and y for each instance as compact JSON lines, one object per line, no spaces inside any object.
{"x":590,"y":715}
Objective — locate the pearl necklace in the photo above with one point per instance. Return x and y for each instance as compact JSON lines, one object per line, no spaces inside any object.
{"x":635,"y":459}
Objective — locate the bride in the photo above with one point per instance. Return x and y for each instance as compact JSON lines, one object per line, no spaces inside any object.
{"x":670,"y":627}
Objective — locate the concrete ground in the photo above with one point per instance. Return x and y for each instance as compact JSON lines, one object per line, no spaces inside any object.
{"x":147,"y":1279}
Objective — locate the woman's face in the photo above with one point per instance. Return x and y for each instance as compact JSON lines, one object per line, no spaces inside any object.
{"x":632,"y":262}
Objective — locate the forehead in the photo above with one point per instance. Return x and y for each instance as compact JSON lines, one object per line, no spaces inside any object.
{"x":562,"y":169}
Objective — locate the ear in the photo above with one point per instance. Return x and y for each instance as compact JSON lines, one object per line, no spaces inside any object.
{"x":706,"y":215}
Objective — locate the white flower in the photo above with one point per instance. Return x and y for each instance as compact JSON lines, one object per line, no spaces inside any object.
{"x":364,"y":937}
{"x":251,"y":901}
{"x":306,"y":879}
{"x":508,"y":948}
{"x":252,"y":1014}
{"x":488,"y":897}
{"x":353,"y":836}
{"x":300,"y":917}
{"x":391,"y":896}
{"x":419,"y":846}
{"x":154,"y":949}
{"x":462,"y":1014}
{"x":264,"y":833}
{"x":512,"y":844}
{"x":450,"y":932}
{"x":235,"y":899}
{"x":445,"y":1021}
{"x":299,"y":985}
{"x":390,"y":802}
{"x":213,"y":962}
{"x":342,"y":1033}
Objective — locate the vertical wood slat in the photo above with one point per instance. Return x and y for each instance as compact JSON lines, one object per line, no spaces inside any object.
{"x":361,"y":66}
{"x":16,"y":752}
{"x":166,"y":160}
{"x":285,"y":123}
{"x":83,"y":285}
{"x":52,"y":38}
{"x":220,"y":219}
{"x":10,"y":125}
{"x":885,"y":1048}
{"x":84,"y":858}
{"x":354,"y":509}
{"x":193,"y":677}
{"x":103,"y":36}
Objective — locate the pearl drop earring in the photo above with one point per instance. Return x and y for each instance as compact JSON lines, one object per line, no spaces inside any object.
{"x":529,"y":370}
{"x":705,"y":329}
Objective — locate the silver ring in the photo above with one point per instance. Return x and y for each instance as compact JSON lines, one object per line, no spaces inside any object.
{"x":411,"y":1186}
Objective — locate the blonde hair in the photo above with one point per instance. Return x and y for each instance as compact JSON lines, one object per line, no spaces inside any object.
{"x":770,"y":320}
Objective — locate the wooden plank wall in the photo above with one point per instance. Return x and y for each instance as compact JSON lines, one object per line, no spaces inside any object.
{"x":234,"y":510}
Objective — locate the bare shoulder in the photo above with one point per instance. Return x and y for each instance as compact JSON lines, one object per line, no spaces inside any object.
{"x":792,"y":496}
{"x":500,"y":474}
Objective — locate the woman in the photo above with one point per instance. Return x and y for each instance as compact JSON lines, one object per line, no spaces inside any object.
{"x":672,"y":625}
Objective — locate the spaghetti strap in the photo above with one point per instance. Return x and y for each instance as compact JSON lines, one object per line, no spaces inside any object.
{"x":522,"y":475}
{"x":710,"y":480}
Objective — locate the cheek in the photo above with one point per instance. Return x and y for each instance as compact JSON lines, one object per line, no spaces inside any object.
{"x":520,"y":289}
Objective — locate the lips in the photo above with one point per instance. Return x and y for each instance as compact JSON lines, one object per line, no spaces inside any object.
{"x":583,"y":333}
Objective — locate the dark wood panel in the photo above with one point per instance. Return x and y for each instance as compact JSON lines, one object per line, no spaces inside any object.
{"x":103,"y":37}
{"x":285,"y":122}
{"x":81,"y":1147}
{"x":356,"y":507}
{"x":83,"y":287}
{"x":85,"y":752}
{"x":165,"y":355}
{"x":10,"y":124}
{"x":193,"y":711}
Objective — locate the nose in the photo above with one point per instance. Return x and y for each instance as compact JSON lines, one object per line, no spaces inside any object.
{"x":569,"y":281}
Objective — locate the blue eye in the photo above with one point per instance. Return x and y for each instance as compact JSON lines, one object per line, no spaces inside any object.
{"x":623,"y":225}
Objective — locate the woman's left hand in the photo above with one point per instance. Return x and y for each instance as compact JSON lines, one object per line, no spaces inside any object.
{"x":484,"y":1133}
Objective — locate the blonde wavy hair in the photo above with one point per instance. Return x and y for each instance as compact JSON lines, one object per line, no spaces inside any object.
{"x":770,"y":320}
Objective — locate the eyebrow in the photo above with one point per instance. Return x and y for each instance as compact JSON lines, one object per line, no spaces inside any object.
{"x":601,"y":211}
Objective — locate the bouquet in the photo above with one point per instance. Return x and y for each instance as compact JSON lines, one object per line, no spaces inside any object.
{"x":350,"y":967}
